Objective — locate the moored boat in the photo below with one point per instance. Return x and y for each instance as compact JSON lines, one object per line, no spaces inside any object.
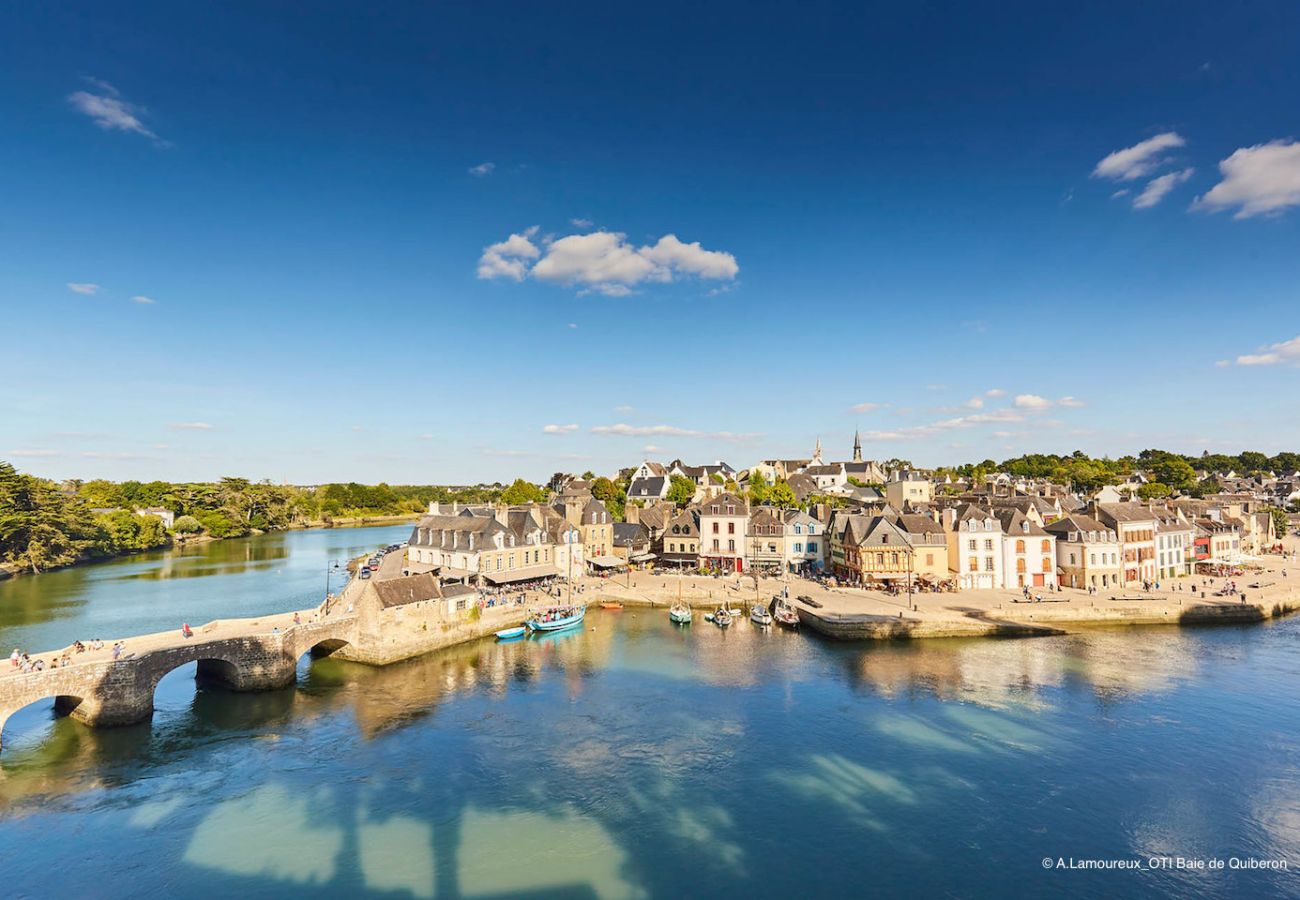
{"x":760,"y":616}
{"x":557,"y":618}
{"x":722,"y":618}
{"x":509,"y":634}
{"x":680,"y":613}
{"x":785,"y":615}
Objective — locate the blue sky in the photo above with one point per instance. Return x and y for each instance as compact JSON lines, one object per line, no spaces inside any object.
{"x":321,"y":242}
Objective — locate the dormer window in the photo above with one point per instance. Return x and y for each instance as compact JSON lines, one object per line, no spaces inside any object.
{"x":731,"y":510}
{"x":714,"y":509}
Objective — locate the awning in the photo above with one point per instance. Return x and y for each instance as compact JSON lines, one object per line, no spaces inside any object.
{"x":643,"y":557}
{"x":452,"y":572}
{"x":524,"y":574}
{"x":419,"y":568}
{"x":606,"y":562}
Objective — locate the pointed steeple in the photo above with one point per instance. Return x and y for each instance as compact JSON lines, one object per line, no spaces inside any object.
{"x":817,"y":452}
{"x":857,"y":447}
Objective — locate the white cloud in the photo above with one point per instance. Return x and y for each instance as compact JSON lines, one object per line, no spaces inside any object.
{"x":559,"y":429}
{"x":1070,"y":402}
{"x":995,"y":392}
{"x":581,"y":223}
{"x":944,"y":425}
{"x":604,"y":261}
{"x":109,"y":111}
{"x":1139,"y":160}
{"x":482,"y":169}
{"x":143,"y":300}
{"x":974,"y":403}
{"x":33,"y":454}
{"x":622,"y":429}
{"x":190,"y":426}
{"x":1031,"y":401}
{"x":573,"y":324}
{"x":868,"y":407}
{"x":509,"y":258}
{"x":1158,"y":187}
{"x":83,"y":287}
{"x":651,"y":448}
{"x":1259,"y":180}
{"x":623,"y":408}
{"x":1284,"y":353}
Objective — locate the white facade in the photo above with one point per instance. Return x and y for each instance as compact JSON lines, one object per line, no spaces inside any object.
{"x":975,"y":553}
{"x":1029,"y":560}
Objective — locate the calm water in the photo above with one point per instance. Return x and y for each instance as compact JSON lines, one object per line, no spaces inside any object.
{"x":633,"y":759}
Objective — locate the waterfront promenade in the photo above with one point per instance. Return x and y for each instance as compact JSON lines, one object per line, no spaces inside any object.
{"x":849,"y":612}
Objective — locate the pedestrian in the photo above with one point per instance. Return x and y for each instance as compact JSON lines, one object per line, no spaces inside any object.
{"x":13,"y":658}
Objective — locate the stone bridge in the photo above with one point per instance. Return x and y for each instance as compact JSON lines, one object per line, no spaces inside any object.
{"x":243,"y":654}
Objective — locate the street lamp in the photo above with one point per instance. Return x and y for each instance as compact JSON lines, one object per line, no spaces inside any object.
{"x":330,"y":568}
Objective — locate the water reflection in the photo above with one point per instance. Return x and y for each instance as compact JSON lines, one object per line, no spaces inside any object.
{"x":635,"y":759}
{"x":154,"y":591}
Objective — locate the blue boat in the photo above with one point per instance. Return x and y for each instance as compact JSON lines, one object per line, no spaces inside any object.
{"x":558,"y":618}
{"x":509,"y":634}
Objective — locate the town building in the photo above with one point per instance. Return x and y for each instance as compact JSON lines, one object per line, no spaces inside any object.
{"x":1028,"y":551}
{"x":974,"y":538}
{"x":681,"y":540}
{"x":724,"y":523}
{"x":1087,"y":552}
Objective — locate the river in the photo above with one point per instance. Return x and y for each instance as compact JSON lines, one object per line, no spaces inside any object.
{"x":637,"y":759}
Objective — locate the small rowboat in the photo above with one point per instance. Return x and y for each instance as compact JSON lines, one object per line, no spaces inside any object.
{"x":722,"y":618}
{"x":610,"y":604}
{"x":509,"y":634}
{"x":680,"y":613}
{"x":759,"y":616}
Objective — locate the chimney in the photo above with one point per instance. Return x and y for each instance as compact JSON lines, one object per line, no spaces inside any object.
{"x":633,"y":514}
{"x":455,"y":508}
{"x":501,"y":513}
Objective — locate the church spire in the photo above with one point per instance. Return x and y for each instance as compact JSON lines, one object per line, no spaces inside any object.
{"x":817,"y":451}
{"x":857,"y":447}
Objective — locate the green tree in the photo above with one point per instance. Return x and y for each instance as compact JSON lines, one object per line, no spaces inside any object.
{"x":1154,"y":490}
{"x":758,"y":488}
{"x":186,"y":525}
{"x":680,"y":490}
{"x":1281,"y":521}
{"x":782,"y":495}
{"x":520,"y":492}
{"x":1175,"y":472}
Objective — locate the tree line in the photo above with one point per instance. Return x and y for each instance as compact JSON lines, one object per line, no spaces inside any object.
{"x":45,"y":523}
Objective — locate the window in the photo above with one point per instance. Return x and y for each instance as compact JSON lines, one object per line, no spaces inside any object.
{"x":731,"y":510}
{"x":1020,"y":546}
{"x":798,"y":548}
{"x":988,"y":543}
{"x":715,"y":527}
{"x":731,"y":528}
{"x":812,"y":546}
{"x":929,"y":559}
{"x":972,"y":543}
{"x":812,"y":529}
{"x":731,"y":546}
{"x":1020,"y":565}
{"x":672,"y":548}
{"x":798,"y":529}
{"x":715,"y":543}
{"x":988,"y":564}
{"x":1047,"y":545}
{"x":973,"y":564}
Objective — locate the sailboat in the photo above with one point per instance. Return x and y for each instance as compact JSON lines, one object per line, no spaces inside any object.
{"x":680,"y":612}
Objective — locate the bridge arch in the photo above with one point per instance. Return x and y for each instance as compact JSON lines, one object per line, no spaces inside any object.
{"x":55,"y":706}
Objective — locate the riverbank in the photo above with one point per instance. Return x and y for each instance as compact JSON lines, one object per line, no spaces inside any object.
{"x":12,"y":570}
